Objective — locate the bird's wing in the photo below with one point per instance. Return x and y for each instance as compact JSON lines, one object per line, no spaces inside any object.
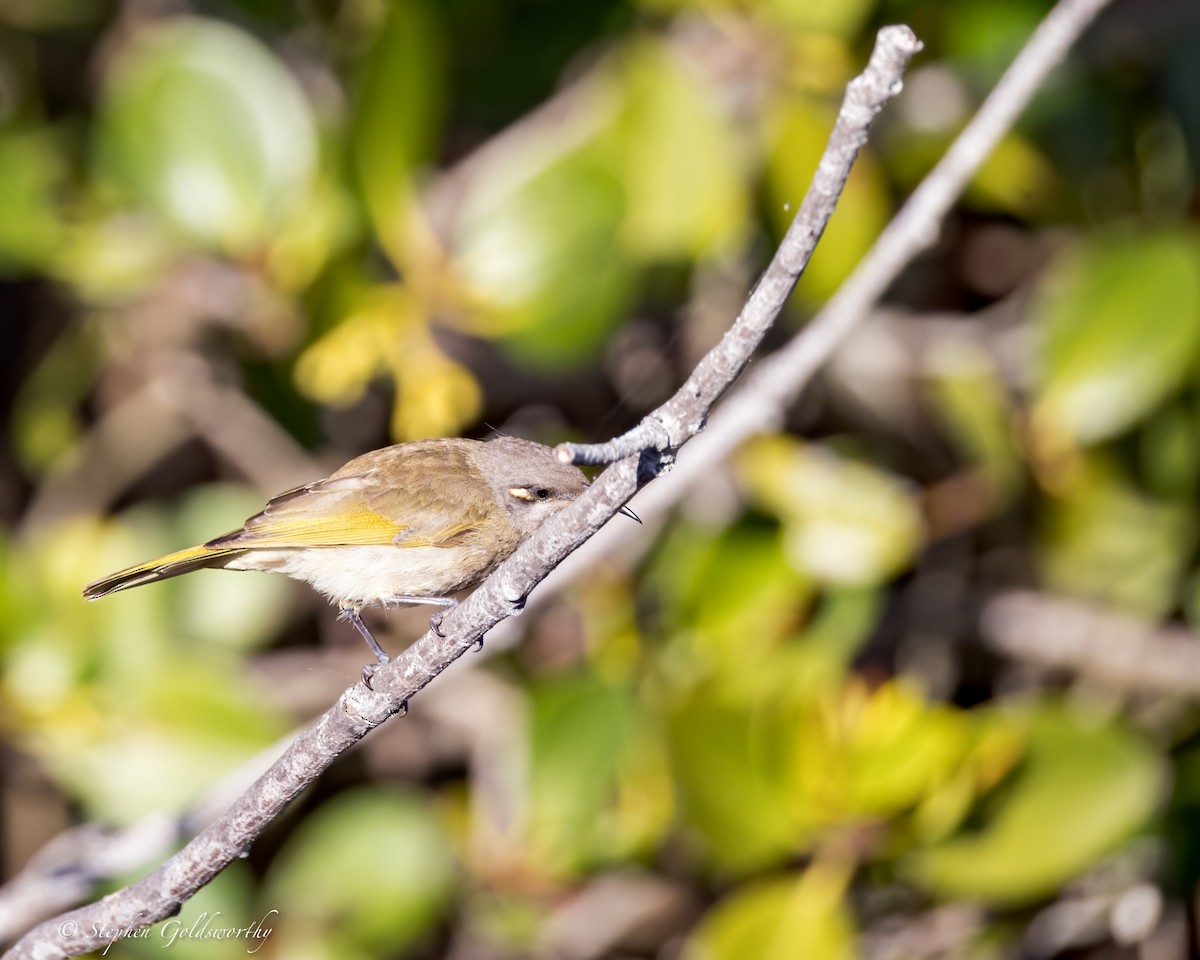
{"x":442,"y":499}
{"x":364,"y":509}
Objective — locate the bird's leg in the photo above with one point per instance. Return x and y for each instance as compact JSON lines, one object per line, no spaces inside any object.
{"x":435,"y":622}
{"x":349,"y":613}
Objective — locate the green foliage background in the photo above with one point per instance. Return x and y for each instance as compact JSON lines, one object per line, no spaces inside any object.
{"x":242,"y":242}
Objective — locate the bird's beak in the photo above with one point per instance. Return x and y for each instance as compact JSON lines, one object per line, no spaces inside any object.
{"x":625,"y":510}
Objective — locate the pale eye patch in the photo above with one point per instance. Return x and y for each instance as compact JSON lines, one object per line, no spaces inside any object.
{"x":525,"y":493}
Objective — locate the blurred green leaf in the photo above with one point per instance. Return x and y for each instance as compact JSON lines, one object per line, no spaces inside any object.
{"x":1106,"y":540}
{"x":545,"y":263}
{"x":370,"y":870}
{"x":760,"y":601}
{"x":841,"y":623}
{"x":788,"y":917}
{"x":126,"y":760}
{"x":129,"y":717}
{"x":732,"y":755}
{"x":678,"y":159}
{"x":46,"y":421}
{"x":585,"y":738}
{"x":1167,"y":453}
{"x":1120,"y":324}
{"x":203,"y":125}
{"x":985,"y":35}
{"x":396,"y":112}
{"x":30,"y":172}
{"x":1084,"y":787}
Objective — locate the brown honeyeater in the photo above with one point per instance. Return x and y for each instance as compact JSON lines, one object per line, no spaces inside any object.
{"x":411,"y":523}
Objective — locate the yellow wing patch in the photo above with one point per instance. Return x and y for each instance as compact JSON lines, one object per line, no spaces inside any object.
{"x":332,"y":513}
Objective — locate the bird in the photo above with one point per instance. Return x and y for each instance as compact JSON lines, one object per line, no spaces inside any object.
{"x":412,"y":523}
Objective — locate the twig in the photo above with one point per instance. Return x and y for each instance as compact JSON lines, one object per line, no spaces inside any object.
{"x":359,"y":710}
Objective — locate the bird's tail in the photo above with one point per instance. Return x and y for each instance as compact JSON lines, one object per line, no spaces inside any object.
{"x":160,"y":568}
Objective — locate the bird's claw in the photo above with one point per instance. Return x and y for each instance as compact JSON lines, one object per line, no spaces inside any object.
{"x":368,"y":670}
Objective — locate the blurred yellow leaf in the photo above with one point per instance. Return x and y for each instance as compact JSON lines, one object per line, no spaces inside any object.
{"x":1119,"y":318}
{"x":388,"y":334}
{"x":1015,"y":179}
{"x":306,"y":238}
{"x":865,"y":754}
{"x":799,"y":17}
{"x":780,"y":919}
{"x":996,"y":746}
{"x":841,"y":18}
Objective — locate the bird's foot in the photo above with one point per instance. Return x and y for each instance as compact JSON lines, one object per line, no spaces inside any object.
{"x":435,"y":622}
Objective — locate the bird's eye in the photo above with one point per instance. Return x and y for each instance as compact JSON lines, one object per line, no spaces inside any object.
{"x":541,"y":493}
